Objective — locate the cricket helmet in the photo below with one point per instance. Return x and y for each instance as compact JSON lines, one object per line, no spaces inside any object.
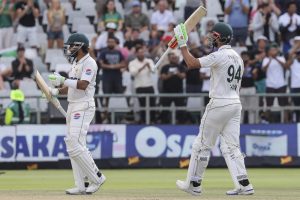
{"x":221,"y":32}
{"x":75,"y":42}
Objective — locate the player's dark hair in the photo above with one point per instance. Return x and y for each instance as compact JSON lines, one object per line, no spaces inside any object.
{"x":85,"y":49}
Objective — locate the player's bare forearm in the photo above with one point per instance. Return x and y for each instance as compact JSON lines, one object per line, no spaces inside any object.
{"x":82,"y":84}
{"x":190,"y":60}
{"x":63,"y":90}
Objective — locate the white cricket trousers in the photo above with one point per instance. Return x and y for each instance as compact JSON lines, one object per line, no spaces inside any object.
{"x":221,"y":116}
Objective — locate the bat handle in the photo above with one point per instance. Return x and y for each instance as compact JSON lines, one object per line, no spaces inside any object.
{"x":161,"y":59}
{"x":62,"y":111}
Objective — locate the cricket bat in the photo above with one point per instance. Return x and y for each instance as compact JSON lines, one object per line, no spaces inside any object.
{"x":190,"y":23}
{"x":44,"y":88}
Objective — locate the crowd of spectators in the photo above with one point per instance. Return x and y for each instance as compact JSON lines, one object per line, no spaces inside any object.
{"x":130,"y":35}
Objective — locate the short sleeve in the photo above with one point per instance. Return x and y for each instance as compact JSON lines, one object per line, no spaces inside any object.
{"x":265,"y":62}
{"x":208,"y":61}
{"x":88,"y":71}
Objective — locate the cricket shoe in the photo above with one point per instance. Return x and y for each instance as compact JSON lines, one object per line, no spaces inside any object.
{"x":247,"y":190}
{"x":189,"y":188}
{"x":94,"y":187}
{"x":75,"y":191}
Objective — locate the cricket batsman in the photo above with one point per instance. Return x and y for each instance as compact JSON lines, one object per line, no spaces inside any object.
{"x":222,"y":114}
{"x":80,"y":87}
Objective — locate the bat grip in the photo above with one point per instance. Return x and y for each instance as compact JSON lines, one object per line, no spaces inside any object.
{"x":161,"y":59}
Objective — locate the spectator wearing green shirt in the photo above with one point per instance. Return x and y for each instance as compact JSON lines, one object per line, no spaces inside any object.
{"x":6,"y":23}
{"x":17,"y":112}
{"x":111,"y":15}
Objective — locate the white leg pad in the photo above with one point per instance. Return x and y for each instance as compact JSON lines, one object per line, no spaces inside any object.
{"x":235,"y":162}
{"x":198,"y":164}
{"x":78,"y":175}
{"x":87,"y":164}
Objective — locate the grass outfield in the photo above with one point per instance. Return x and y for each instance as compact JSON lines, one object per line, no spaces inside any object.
{"x":147,"y":184}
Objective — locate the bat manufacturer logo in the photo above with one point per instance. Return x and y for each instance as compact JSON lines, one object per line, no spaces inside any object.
{"x":88,"y":72}
{"x":76,"y":115}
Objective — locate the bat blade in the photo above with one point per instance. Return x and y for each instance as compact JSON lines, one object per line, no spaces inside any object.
{"x":45,"y":89}
{"x":190,"y":23}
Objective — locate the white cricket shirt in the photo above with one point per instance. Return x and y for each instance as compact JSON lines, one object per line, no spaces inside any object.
{"x":227,"y":68}
{"x":84,"y":69}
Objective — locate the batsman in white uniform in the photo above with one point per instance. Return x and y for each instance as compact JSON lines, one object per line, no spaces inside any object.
{"x":222,"y":114}
{"x":80,"y":87}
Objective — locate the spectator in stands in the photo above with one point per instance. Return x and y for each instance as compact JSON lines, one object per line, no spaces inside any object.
{"x":190,"y":7}
{"x":274,"y":66}
{"x":56,"y":20}
{"x":140,"y":69}
{"x":265,"y":23}
{"x":162,"y":17}
{"x":17,"y":112}
{"x":261,"y":43}
{"x":133,"y":40}
{"x":21,"y":67}
{"x":111,"y":61}
{"x":205,"y":77}
{"x":289,"y":26}
{"x":111,"y":31}
{"x":6,"y":23}
{"x":172,"y":76}
{"x":111,"y":15}
{"x":193,"y":80}
{"x":207,"y":23}
{"x":137,"y":20}
{"x":248,"y":88}
{"x":294,"y":66}
{"x":283,"y":5}
{"x":27,"y":11}
{"x":237,"y":11}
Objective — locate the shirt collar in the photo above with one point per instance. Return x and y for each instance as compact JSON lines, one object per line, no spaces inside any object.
{"x":224,"y":47}
{"x":83,"y":58}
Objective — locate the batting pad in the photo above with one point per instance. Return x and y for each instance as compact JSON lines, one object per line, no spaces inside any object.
{"x":197,"y":166}
{"x":87,"y":164}
{"x":78,"y":175}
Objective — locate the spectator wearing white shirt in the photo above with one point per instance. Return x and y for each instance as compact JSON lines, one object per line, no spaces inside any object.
{"x":111,"y":30}
{"x":161,"y":18}
{"x":265,"y":23}
{"x":289,"y":24}
{"x":275,"y":66}
{"x":140,"y":69}
{"x":294,"y":65}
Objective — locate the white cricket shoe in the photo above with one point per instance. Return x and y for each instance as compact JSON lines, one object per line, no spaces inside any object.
{"x":189,"y":188}
{"x":94,"y":187}
{"x":247,"y":190}
{"x":75,"y":191}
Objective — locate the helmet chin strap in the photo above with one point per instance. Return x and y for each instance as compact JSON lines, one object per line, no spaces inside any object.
{"x":73,"y":55}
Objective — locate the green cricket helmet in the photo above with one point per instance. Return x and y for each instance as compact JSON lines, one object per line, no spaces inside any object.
{"x":221,"y":32}
{"x":75,"y":42}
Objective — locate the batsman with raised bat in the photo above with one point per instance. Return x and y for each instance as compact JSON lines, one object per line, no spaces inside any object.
{"x":222,"y":114}
{"x":80,"y":87}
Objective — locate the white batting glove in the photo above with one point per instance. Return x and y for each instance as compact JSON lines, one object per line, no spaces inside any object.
{"x":56,"y":79}
{"x":53,"y":91}
{"x":181,"y":35}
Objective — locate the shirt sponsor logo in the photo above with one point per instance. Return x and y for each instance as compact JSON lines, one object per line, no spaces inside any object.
{"x":88,"y":72}
{"x":76,"y":115}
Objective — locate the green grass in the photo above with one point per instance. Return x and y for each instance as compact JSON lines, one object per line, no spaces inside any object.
{"x":151,"y":184}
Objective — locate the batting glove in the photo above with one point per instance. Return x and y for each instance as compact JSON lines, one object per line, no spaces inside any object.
{"x":56,"y":79}
{"x":181,"y":35}
{"x":53,"y":91}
